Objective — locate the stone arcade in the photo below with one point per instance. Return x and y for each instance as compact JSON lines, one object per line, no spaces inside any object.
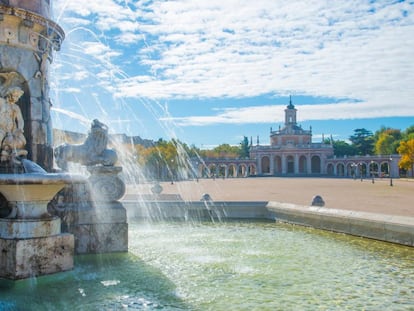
{"x":291,"y":152}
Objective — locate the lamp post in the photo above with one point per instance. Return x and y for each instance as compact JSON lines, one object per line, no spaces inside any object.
{"x":354,"y":166}
{"x":389,"y":172}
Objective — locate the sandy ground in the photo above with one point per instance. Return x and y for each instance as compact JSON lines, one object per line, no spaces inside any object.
{"x":348,"y":194}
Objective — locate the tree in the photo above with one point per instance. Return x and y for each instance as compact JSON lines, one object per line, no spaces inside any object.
{"x":152,"y":161}
{"x":406,"y":150}
{"x":226,"y":151}
{"x":363,"y":141}
{"x":387,"y":140}
{"x":342,"y":148}
{"x":408,"y":133}
{"x":244,"y":148}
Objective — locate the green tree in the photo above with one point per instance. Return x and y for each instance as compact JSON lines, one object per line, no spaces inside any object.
{"x":406,"y":150}
{"x":152,"y":161}
{"x":387,"y":140}
{"x":363,"y":141}
{"x":244,"y":148}
{"x":226,"y":151}
{"x":408,"y":133}
{"x":342,"y":148}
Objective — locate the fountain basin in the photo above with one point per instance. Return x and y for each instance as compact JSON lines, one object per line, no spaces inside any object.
{"x":30,"y":193}
{"x":31,"y":242}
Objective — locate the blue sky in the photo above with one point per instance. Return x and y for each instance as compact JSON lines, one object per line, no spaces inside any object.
{"x":211,"y":72}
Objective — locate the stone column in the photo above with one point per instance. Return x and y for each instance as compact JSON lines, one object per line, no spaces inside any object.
{"x":308,"y":164}
{"x":272,"y":164}
{"x":296,"y":164}
{"x":259,"y":164}
{"x":284,"y":166}
{"x":323,"y":163}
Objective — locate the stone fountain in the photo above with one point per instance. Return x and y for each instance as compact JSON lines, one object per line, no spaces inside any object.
{"x":47,"y":217}
{"x":92,"y":211}
{"x":31,"y":241}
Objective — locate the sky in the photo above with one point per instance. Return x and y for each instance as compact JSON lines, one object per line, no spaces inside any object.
{"x":211,"y":72}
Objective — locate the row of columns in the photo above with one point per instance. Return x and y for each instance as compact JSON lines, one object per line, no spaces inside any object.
{"x":244,"y":169}
{"x":296,"y":164}
{"x":370,"y":167}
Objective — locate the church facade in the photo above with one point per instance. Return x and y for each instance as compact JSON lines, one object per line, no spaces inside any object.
{"x":291,"y":150}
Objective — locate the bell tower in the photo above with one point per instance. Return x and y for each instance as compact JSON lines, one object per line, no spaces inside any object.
{"x":290,"y":113}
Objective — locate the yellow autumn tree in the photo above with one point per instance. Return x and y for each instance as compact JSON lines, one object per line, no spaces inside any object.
{"x":406,"y":150}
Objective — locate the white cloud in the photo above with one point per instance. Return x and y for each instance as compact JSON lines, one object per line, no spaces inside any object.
{"x":275,"y":114}
{"x":212,"y":49}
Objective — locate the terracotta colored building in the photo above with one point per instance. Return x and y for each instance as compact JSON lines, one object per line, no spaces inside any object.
{"x":291,"y":151}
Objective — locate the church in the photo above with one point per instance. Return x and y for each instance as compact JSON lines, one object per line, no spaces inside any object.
{"x":291,"y":150}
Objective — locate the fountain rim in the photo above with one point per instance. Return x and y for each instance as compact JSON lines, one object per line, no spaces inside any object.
{"x":34,"y":17}
{"x":38,"y":178}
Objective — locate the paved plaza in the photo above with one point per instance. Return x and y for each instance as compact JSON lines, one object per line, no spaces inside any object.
{"x":347,"y":194}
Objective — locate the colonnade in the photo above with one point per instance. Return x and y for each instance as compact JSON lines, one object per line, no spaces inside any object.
{"x":301,"y":165}
{"x":363,"y":167}
{"x":295,"y":164}
{"x":226,"y":169}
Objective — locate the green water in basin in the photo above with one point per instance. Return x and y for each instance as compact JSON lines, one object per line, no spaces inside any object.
{"x":228,"y":266}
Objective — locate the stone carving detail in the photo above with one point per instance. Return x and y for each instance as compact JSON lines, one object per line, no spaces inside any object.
{"x":105,"y":184}
{"x":92,"y":152}
{"x":12,"y":140}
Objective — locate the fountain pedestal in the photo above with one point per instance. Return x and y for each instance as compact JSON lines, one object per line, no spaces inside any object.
{"x":31,"y":242}
{"x":92,"y":212}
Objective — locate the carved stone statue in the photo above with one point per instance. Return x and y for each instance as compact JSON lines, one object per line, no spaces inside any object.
{"x":92,"y":152}
{"x":12,"y":140}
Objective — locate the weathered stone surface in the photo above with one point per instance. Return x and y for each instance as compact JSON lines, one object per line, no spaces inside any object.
{"x":39,"y":128}
{"x":100,"y":229}
{"x":29,"y":228}
{"x":100,"y":238}
{"x":103,"y":213}
{"x":36,"y":108}
{"x":105,"y":183}
{"x":21,"y":259}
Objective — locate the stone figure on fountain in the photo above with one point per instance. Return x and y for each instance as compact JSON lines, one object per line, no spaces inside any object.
{"x":11,"y":126}
{"x":93,"y":151}
{"x":98,"y":159}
